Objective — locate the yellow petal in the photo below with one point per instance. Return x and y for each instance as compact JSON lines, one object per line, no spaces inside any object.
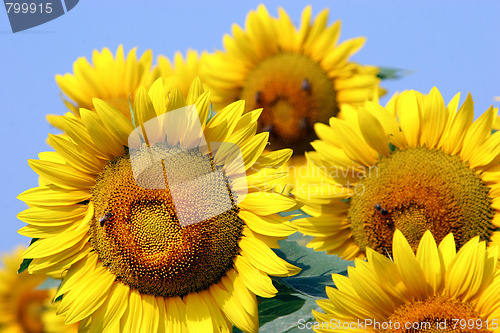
{"x":253,"y":148}
{"x":113,"y":120}
{"x":52,"y":195}
{"x":465,"y":273}
{"x":132,"y":319}
{"x":431,"y":261}
{"x":55,"y":216}
{"x":202,"y":105}
{"x":373,"y":133}
{"x":263,"y":258}
{"x":224,"y":122}
{"x":113,"y":308}
{"x":197,"y":314}
{"x":176,"y":315}
{"x":157,"y":95}
{"x":352,"y":144}
{"x":256,"y":280}
{"x":266,"y":203}
{"x":88,"y":295}
{"x":477,"y":133}
{"x":409,"y":117}
{"x":62,"y":174}
{"x":453,"y":139}
{"x":271,"y":225}
{"x":195,"y":91}
{"x":74,"y":155}
{"x":59,"y":243}
{"x":409,"y":269}
{"x":434,"y":118}
{"x":77,"y":131}
{"x":101,"y":136}
{"x":150,"y":314}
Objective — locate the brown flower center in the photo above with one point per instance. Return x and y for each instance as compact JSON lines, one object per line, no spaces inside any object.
{"x":295,"y":93}
{"x":140,"y":238}
{"x":436,"y":314}
{"x":419,"y":189}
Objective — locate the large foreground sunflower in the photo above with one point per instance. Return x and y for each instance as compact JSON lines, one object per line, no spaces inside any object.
{"x":132,"y":264}
{"x":114,"y":79}
{"x":414,"y":165}
{"x":436,"y":290}
{"x":299,"y":76}
{"x":24,"y":306}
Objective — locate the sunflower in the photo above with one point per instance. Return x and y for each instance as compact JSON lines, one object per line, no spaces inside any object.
{"x":180,"y":72}
{"x":113,"y":79}
{"x":136,"y":260}
{"x":436,"y":290}
{"x":23,"y":304}
{"x":414,"y":165}
{"x":299,"y":76}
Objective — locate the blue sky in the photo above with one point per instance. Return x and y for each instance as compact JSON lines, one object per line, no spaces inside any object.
{"x":449,"y":44}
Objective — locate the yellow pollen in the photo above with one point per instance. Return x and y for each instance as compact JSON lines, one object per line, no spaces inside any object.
{"x":419,"y":189}
{"x":138,"y":235}
{"x":295,"y":93}
{"x":437,"y":314}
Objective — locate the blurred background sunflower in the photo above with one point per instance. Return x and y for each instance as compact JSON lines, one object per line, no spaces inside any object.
{"x":113,"y":78}
{"x":414,"y":165}
{"x":180,"y":71}
{"x":436,"y":290}
{"x":300,"y":76}
{"x":25,"y":304}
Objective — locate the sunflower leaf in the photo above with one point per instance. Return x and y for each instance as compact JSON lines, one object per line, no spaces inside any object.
{"x":26,"y":262}
{"x":24,"y":265}
{"x":49,"y":283}
{"x":294,"y":320}
{"x":281,"y":305}
{"x":316,"y":267}
{"x":392,"y":147}
{"x":386,"y":73}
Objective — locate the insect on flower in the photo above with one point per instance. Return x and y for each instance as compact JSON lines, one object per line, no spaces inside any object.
{"x":382,"y":211}
{"x":105,"y":218}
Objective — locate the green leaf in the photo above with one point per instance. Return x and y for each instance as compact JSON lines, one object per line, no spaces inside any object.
{"x":24,"y":265}
{"x":292,"y":321}
{"x":131,"y":111}
{"x":313,"y":286}
{"x":282,"y":305}
{"x":49,"y":283}
{"x":26,"y":262}
{"x":317,"y":267}
{"x":272,"y":308}
{"x":386,"y":73}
